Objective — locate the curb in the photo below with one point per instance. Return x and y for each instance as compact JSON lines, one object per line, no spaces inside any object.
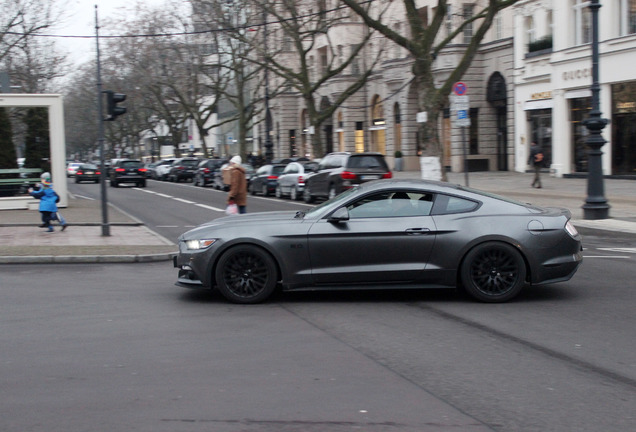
{"x":87,"y":259}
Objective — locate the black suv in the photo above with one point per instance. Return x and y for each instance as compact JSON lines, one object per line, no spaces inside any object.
{"x":207,"y":170}
{"x":128,"y":171}
{"x":340,"y":171}
{"x":183,"y":169}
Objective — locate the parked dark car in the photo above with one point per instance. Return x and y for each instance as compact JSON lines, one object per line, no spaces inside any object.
{"x":385,"y":234}
{"x":265,"y":179}
{"x":183,"y":169}
{"x":338,"y":172}
{"x":291,"y":182}
{"x":87,"y":172}
{"x":206,"y":170}
{"x":150,"y":169}
{"x":128,"y":171}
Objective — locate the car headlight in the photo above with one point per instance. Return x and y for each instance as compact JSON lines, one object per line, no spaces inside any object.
{"x":571,"y":229}
{"x":199,"y":244}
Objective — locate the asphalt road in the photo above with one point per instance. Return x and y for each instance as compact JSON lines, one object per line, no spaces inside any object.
{"x":119,"y":347}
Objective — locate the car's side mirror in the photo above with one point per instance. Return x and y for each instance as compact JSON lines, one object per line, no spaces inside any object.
{"x":340,"y":215}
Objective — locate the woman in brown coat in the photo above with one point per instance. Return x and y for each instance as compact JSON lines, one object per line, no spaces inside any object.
{"x":238,"y":185}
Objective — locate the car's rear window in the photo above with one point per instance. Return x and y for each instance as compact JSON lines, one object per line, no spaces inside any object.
{"x":367,"y":161}
{"x":278,"y":169}
{"x":131,"y":164}
{"x":190,"y":162}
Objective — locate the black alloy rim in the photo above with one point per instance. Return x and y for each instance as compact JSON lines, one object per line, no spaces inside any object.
{"x":494,"y":272}
{"x":245,"y":274}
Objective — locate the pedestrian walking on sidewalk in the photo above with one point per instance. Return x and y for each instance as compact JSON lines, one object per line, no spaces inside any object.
{"x":536,"y":161}
{"x":238,"y":185}
{"x":48,"y":204}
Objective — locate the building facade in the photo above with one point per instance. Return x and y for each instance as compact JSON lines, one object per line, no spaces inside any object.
{"x":552,"y":78}
{"x":382,"y":116}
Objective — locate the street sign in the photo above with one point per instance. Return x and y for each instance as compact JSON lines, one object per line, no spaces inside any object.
{"x":422,"y":117}
{"x":460,"y":89}
{"x":462,"y":119}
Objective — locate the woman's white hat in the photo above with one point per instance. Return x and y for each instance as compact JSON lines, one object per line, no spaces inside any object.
{"x":236,"y":160}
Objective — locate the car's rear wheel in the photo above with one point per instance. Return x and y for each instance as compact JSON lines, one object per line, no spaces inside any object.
{"x":141,"y":183}
{"x":493,"y":272}
{"x":252,"y":189}
{"x":246,"y":274}
{"x":332,"y":191}
{"x":293,"y":194}
{"x":307,"y":195}
{"x":113,"y":183}
{"x":279,"y":192}
{"x":265,"y":190}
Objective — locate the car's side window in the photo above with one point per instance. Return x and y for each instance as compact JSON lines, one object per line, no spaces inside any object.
{"x":392,"y":204}
{"x":447,"y":204}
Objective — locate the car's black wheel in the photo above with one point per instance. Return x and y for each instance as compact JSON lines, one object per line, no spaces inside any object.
{"x":293,"y":194}
{"x":307,"y":195}
{"x":332,"y":191}
{"x":141,"y":183}
{"x":265,"y":190}
{"x":493,"y":272}
{"x":113,"y":183}
{"x":76,"y":180}
{"x":252,"y":189}
{"x":97,"y":181}
{"x":246,"y":274}
{"x":278,"y":192}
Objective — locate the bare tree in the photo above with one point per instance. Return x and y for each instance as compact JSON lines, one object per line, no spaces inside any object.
{"x":304,"y":57}
{"x":424,"y":42}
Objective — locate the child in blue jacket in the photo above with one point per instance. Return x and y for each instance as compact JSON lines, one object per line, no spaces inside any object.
{"x":48,"y":204}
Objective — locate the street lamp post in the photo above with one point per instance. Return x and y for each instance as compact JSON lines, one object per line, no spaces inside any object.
{"x":596,"y":206}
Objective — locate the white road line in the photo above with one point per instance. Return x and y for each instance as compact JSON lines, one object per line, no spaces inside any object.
{"x":624,"y":250}
{"x":164,"y":195}
{"x":168,"y":226}
{"x":210,"y":207}
{"x":183,"y":200}
{"x":609,"y":256}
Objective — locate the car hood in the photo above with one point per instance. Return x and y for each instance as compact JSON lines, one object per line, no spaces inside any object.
{"x":245,"y":220}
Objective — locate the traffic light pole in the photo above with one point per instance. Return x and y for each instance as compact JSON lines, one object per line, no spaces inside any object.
{"x":100,"y":121}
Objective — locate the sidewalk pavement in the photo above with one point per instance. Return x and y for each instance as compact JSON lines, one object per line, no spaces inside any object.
{"x":131,"y":241}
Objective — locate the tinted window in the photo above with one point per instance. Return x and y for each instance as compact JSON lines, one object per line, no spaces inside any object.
{"x":366,"y":161}
{"x":278,"y":169}
{"x":392,"y":204}
{"x":445,"y":204}
{"x":89,"y":167}
{"x":190,"y":162}
{"x":131,"y":164}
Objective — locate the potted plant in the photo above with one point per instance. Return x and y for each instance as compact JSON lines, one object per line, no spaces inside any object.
{"x":398,"y":160}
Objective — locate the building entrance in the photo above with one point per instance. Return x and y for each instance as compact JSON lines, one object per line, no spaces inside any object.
{"x":541,"y":132}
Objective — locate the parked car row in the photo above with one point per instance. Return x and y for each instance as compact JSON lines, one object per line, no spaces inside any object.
{"x":311,"y":180}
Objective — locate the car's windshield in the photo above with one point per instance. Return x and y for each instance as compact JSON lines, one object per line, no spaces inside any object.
{"x":131,"y":164}
{"x":89,"y":167}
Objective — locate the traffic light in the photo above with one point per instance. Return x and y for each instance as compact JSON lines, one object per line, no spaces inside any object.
{"x":113,"y":99}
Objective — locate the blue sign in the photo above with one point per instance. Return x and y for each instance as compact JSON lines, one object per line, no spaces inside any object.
{"x":462,"y":114}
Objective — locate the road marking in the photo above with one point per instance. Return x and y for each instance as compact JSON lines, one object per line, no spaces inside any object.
{"x":624,"y":250}
{"x":183,"y":200}
{"x":209,"y":207}
{"x":607,"y":256}
{"x":164,"y":195}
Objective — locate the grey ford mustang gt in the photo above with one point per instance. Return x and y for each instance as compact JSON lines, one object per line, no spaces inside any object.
{"x":385,"y":234}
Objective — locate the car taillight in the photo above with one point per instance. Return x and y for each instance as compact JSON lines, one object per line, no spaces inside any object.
{"x":120,"y":170}
{"x":272,"y":177}
{"x":301,"y":180}
{"x":387,"y":175}
{"x":348,"y":175}
{"x":98,"y":173}
{"x":142,"y":170}
{"x":79,"y":173}
{"x":206,"y":170}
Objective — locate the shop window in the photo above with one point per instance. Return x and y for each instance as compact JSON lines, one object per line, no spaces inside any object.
{"x":579,"y":111}
{"x":359,"y":137}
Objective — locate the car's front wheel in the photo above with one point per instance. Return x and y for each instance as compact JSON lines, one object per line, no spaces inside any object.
{"x":493,"y":272}
{"x":279,"y":192}
{"x":307,"y":195}
{"x":246,"y":274}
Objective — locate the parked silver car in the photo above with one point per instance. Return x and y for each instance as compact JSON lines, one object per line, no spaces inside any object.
{"x":291,"y":183}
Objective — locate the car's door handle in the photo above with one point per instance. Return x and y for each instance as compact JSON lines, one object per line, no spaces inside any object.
{"x":418,"y":231}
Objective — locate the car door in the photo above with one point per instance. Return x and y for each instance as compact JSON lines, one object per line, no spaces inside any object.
{"x":377,"y":244}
